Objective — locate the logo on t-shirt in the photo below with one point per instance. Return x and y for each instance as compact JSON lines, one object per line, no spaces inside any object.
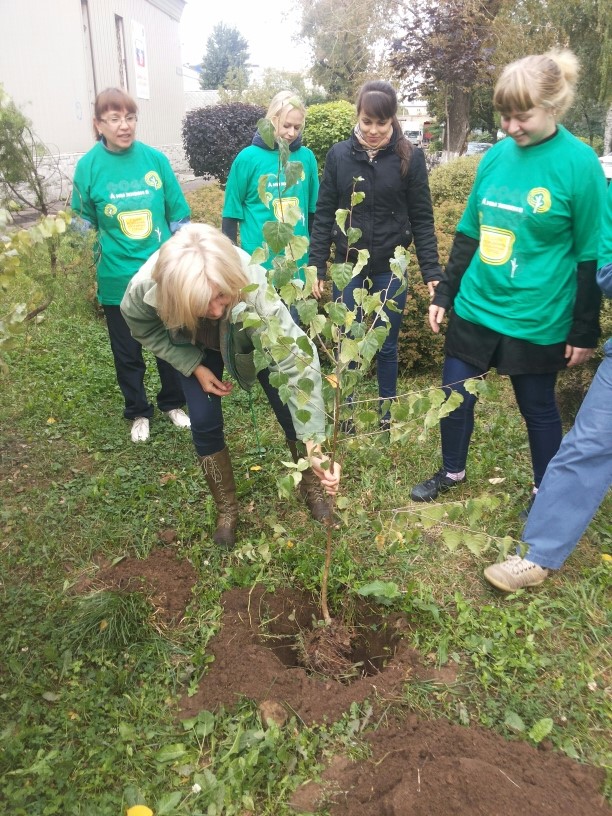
{"x":136,"y":224}
{"x":110,"y":210}
{"x":153,"y":180}
{"x":539,"y":199}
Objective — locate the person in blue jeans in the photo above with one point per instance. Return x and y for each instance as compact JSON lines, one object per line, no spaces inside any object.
{"x":521,"y":274}
{"x":578,"y":478}
{"x":379,"y":161}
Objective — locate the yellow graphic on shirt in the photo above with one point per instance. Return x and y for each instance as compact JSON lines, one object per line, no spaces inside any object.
{"x":287,"y":203}
{"x":496,"y":245}
{"x":539,"y":199}
{"x":153,"y":180}
{"x":110,"y":210}
{"x":136,"y":224}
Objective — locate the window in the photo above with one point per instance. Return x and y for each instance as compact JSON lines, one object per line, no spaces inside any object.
{"x":121,"y":55}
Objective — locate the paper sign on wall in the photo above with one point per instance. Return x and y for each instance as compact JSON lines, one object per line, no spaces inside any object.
{"x":141,"y":62}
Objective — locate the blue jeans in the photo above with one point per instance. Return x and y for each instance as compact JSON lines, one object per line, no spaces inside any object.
{"x":535,"y":397}
{"x":206,"y":412}
{"x":577,"y":479}
{"x":386,"y":359}
{"x":130,"y":369}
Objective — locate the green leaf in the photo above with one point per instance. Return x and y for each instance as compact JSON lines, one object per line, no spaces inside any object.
{"x":167,"y":804}
{"x":342,"y":502}
{"x":357,"y":196}
{"x":337,"y":312}
{"x":353,"y":234}
{"x":262,"y":190}
{"x":341,"y":216}
{"x":383,"y":592}
{"x":317,"y":324}
{"x":294,"y":171}
{"x":298,"y":246}
{"x":541,"y":729}
{"x":341,"y":274}
{"x":303,"y":416}
{"x":349,"y":351}
{"x":205,"y":723}
{"x":266,"y":130}
{"x":277,"y":235}
{"x":307,"y":310}
{"x":303,"y":343}
{"x":168,"y":753}
{"x":363,"y":256}
{"x":260,"y":256}
{"x":514,"y":722}
{"x":452,"y":539}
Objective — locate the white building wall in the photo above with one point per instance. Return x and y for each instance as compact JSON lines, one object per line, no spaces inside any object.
{"x":52,"y":67}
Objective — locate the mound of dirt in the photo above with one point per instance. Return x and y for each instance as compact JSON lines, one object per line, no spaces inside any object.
{"x":167,"y":579}
{"x":415,"y":767}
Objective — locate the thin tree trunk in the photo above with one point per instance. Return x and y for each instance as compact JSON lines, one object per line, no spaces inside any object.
{"x":608,"y":132}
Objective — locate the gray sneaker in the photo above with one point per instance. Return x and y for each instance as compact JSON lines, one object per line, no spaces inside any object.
{"x":515,"y":573}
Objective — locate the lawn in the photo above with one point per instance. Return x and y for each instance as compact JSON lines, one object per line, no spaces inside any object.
{"x":94,"y":683}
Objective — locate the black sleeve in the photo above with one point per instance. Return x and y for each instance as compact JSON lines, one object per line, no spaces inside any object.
{"x":463,"y":250}
{"x":585,"y":329}
{"x":324,"y":217}
{"x":420,"y":213}
{"x":310,"y":222}
{"x":229,"y":227}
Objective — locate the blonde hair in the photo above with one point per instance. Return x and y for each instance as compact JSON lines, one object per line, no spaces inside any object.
{"x":540,"y":80}
{"x":281,"y":105}
{"x":196,"y":262}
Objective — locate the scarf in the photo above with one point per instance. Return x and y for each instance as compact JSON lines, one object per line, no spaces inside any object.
{"x":372,"y":151}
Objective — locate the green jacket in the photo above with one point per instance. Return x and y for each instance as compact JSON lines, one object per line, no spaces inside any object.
{"x":237,"y":343}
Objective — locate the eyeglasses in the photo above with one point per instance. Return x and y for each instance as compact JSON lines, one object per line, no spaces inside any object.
{"x":115,"y":121}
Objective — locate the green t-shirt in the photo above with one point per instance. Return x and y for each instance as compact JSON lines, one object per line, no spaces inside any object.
{"x":536,"y":213}
{"x":130,"y":198}
{"x":242,"y":199}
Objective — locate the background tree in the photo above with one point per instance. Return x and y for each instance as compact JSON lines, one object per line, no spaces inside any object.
{"x":346,"y":38}
{"x":272,"y":81}
{"x":533,"y":26}
{"x":225,"y":63}
{"x":446,"y":54}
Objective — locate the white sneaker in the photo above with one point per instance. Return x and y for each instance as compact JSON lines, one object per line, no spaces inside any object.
{"x":515,"y":573}
{"x":179,"y":418}
{"x":140,"y":429}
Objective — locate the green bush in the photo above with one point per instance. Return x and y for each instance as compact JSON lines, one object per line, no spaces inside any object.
{"x":327,"y":124}
{"x":453,"y":181}
{"x":418,"y":347}
{"x":597,"y":144}
{"x":213,"y":136}
{"x":206,"y":204}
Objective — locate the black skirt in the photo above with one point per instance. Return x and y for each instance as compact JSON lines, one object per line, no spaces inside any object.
{"x":485,"y":349}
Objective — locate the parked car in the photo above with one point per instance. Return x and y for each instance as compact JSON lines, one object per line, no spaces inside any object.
{"x":606,"y":163}
{"x":474,"y":148}
{"x":414,"y":136}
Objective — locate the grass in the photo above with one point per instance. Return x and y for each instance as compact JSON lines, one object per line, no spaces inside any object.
{"x":88,"y":722}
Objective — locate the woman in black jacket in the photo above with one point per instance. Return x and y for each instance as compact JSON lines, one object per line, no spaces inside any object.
{"x":396,"y":209}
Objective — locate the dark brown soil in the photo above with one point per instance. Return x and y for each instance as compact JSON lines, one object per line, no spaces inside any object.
{"x":166,"y":579}
{"x":415,"y":767}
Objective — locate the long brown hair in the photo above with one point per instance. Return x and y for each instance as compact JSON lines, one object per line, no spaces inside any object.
{"x":378,"y":99}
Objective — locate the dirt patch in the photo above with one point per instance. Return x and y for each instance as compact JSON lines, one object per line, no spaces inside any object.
{"x":417,"y":768}
{"x":167,"y":579}
{"x":438,"y":769}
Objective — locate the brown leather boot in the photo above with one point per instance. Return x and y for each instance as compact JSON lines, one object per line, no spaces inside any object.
{"x":312,"y":492}
{"x":217,"y":470}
